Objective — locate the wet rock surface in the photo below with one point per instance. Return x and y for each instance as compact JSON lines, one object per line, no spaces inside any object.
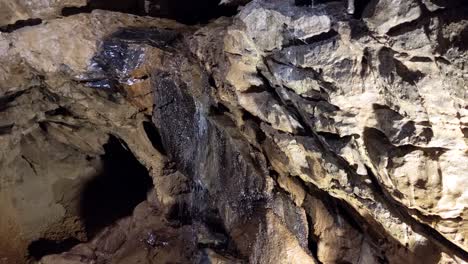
{"x":288,"y":133}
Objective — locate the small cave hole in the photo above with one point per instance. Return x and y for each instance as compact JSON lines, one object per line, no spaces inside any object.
{"x":42,"y":247}
{"x":6,"y":129}
{"x":315,"y":2}
{"x":43,"y":126}
{"x":59,"y":111}
{"x":73,"y":10}
{"x":303,"y":2}
{"x":218,"y":109}
{"x":313,"y":239}
{"x":359,"y":7}
{"x":20,"y":24}
{"x":212,"y":82}
{"x":154,"y":136}
{"x":259,"y":134}
{"x":180,"y":213}
{"x":124,"y":6}
{"x":122,"y":184}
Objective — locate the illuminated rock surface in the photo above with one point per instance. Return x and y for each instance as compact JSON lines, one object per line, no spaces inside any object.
{"x":285,"y":134}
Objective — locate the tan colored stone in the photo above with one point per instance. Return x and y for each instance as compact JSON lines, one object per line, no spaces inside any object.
{"x":276,"y":244}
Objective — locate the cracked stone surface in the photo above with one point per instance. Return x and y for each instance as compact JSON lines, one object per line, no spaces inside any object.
{"x":285,"y":134}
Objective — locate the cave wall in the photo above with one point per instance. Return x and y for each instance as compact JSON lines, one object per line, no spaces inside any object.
{"x":287,"y":133}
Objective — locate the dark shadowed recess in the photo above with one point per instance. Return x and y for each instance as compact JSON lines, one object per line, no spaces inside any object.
{"x":153,"y":135}
{"x":184,"y":11}
{"x":359,"y":7}
{"x":303,"y":2}
{"x":41,"y":247}
{"x":20,"y":24}
{"x":114,"y":193}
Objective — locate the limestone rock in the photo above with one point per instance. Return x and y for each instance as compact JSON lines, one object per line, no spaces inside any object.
{"x":368,"y":91}
{"x":268,"y":250}
{"x":54,"y":147}
{"x":383,"y":15}
{"x":286,"y":134}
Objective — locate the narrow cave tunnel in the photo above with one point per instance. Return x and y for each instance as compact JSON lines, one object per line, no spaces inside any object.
{"x":123,"y":183}
{"x":184,"y":11}
{"x":41,"y":247}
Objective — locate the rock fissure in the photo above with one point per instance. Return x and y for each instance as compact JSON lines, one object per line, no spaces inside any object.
{"x":20,"y":24}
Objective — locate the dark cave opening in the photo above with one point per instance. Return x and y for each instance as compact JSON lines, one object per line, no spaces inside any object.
{"x":312,"y":240}
{"x":124,"y":6}
{"x":303,"y":2}
{"x":122,"y":184}
{"x":20,"y":24}
{"x":41,"y":247}
{"x":184,"y":11}
{"x":359,"y":7}
{"x":154,"y":137}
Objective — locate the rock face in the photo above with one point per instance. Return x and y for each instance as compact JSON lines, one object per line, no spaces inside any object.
{"x":286,"y":134}
{"x":55,"y":148}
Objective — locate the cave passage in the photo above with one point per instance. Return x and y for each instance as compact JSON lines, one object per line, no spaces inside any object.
{"x":41,"y":247}
{"x":123,"y":183}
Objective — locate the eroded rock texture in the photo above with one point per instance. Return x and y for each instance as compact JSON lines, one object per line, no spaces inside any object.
{"x":292,"y":132}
